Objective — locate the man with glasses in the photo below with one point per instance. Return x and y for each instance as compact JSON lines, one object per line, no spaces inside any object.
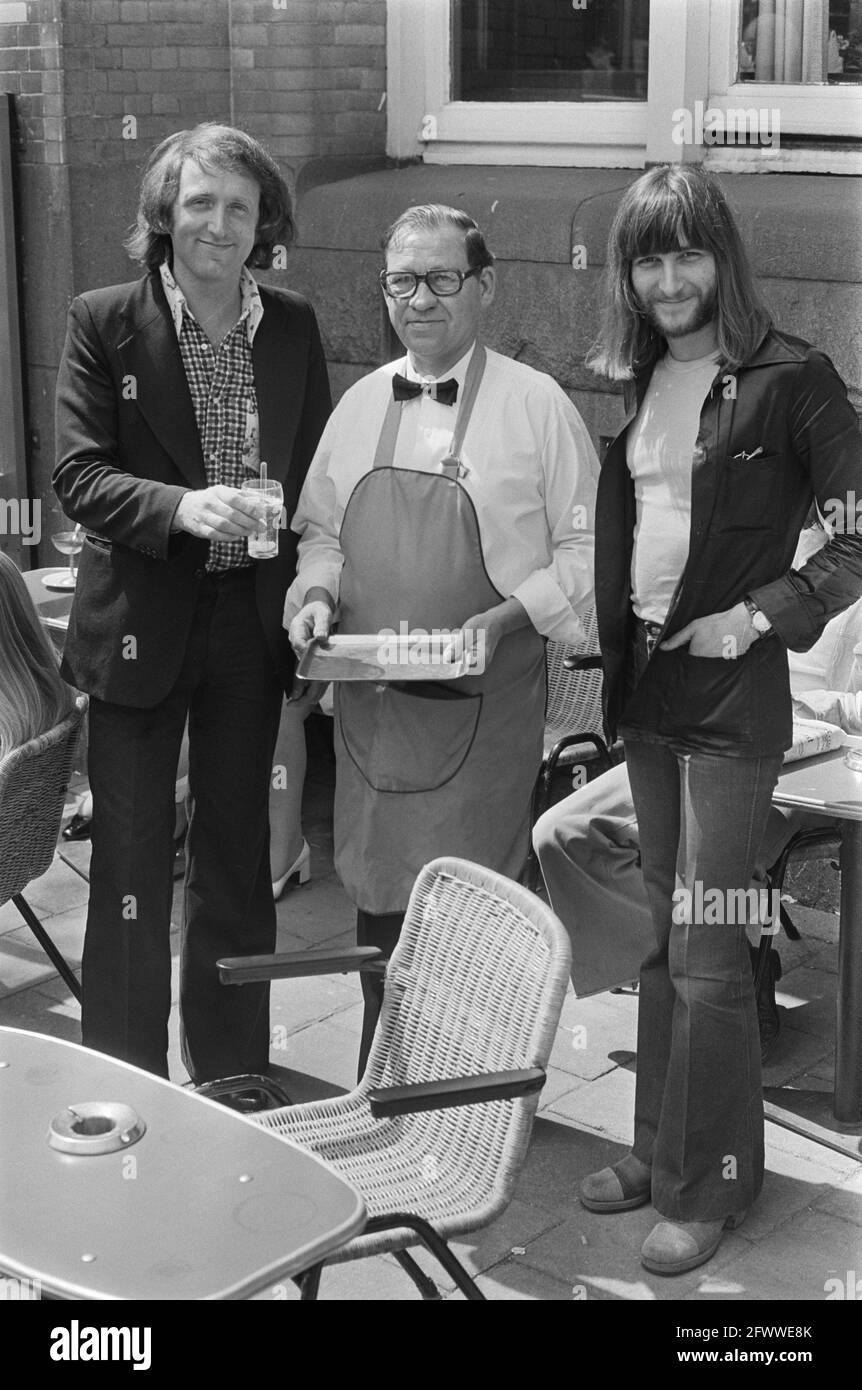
{"x":452,"y":490}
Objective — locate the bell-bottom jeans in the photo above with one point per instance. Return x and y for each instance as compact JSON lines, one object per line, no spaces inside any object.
{"x":698,"y":1099}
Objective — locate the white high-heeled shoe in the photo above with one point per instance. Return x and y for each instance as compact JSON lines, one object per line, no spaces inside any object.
{"x":301,"y":870}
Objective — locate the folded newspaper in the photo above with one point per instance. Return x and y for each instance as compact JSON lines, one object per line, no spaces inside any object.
{"x":813,"y":736}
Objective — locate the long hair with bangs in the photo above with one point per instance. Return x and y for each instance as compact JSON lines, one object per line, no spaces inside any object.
{"x":214,"y":148}
{"x":668,"y":208}
{"x":33,"y":696}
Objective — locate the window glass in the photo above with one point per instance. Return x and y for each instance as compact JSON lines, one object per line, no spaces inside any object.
{"x":550,"y":50}
{"x":800,"y":41}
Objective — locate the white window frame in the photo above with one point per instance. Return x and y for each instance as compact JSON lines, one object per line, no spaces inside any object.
{"x":810,"y":109}
{"x":692,"y":57}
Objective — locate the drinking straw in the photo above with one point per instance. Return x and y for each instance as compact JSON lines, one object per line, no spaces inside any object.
{"x":263,"y":477}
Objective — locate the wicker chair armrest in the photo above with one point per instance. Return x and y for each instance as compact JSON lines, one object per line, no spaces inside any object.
{"x":289,"y":965}
{"x":591,"y":662}
{"x":455,"y":1090}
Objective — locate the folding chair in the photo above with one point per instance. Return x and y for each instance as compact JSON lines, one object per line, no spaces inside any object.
{"x":805,"y":843}
{"x":574,"y":729}
{"x":764,"y":958}
{"x":436,"y":1132}
{"x":33,"y":783}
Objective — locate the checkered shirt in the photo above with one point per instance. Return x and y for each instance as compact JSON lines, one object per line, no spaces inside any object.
{"x":221,"y":382}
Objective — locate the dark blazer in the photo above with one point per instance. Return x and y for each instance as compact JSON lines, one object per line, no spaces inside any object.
{"x":128,"y":447}
{"x":774,"y":436}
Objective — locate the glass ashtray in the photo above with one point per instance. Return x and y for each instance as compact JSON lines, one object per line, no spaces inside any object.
{"x":853,"y":759}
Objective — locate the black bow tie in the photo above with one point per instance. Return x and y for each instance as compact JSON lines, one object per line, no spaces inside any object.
{"x":446,"y":392}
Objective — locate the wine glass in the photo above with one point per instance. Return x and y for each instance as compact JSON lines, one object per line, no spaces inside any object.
{"x":68,"y":543}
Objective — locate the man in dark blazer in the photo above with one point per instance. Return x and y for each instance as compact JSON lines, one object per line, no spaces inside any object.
{"x":171,"y":392}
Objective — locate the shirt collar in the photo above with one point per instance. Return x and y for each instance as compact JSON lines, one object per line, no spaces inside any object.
{"x":459,"y":371}
{"x":251,"y":304}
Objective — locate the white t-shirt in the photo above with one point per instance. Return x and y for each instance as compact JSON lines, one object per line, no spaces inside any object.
{"x":659,"y":451}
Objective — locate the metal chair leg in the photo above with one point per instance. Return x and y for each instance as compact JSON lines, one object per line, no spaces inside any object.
{"x":47,"y":944}
{"x":424,"y":1284}
{"x":433,"y":1243}
{"x":760,"y":960}
{"x":309,"y":1284}
{"x":791,"y":930}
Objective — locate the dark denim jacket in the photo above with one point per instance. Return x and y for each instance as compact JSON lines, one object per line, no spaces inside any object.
{"x":789,"y":407}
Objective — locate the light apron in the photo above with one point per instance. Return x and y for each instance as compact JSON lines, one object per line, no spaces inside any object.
{"x":427,"y":768}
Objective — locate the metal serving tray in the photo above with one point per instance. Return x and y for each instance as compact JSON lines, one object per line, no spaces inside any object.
{"x":360,"y":657}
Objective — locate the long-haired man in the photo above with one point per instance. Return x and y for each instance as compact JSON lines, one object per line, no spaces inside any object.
{"x":736,"y":429}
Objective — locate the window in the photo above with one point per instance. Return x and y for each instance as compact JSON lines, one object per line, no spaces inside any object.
{"x":504,"y":50}
{"x":811,"y":42}
{"x":801,"y":59}
{"x":505,"y":81}
{"x":602,"y":82}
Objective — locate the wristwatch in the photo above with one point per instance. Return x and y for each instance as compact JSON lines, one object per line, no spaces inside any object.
{"x":759,"y":620}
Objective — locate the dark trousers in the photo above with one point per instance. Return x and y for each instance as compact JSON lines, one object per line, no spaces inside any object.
{"x":228,"y":689}
{"x":382,"y":931}
{"x":698,"y":1099}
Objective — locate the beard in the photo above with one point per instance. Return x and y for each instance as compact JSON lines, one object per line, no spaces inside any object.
{"x":701,"y":311}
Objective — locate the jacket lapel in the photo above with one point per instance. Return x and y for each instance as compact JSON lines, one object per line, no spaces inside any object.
{"x":280,"y":360}
{"x":151,"y":358}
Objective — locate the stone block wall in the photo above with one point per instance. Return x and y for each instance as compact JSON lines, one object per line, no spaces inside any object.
{"x":802,"y":233}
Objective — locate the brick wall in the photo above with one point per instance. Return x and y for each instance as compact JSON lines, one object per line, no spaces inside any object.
{"x":309,"y":76}
{"x":30,"y":60}
{"x":97,"y":79}
{"x":134,"y":70}
{"x":97,"y":83}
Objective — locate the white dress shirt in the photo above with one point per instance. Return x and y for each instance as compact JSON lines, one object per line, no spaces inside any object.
{"x":529,"y":468}
{"x":251,"y":304}
{"x":251,"y":310}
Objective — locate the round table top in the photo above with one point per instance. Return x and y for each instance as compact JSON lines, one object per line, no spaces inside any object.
{"x":206,"y":1204}
{"x":825,"y":784}
{"x":52,"y":605}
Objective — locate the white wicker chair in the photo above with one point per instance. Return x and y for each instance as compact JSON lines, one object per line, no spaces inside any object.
{"x":33,"y":783}
{"x":473,"y":996}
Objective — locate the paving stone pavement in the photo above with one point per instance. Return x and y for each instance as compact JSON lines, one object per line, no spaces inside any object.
{"x":805,"y":1230}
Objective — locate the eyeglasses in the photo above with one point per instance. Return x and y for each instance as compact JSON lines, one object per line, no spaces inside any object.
{"x":403,"y":284}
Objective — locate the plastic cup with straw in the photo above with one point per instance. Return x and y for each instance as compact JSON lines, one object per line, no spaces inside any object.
{"x":268,"y":496}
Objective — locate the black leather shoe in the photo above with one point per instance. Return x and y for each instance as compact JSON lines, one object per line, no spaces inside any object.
{"x":78,"y":828}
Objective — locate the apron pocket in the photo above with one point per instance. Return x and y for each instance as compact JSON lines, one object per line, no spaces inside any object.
{"x":407,"y":738}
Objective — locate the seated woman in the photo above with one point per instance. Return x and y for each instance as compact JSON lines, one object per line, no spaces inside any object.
{"x":33,"y":697}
